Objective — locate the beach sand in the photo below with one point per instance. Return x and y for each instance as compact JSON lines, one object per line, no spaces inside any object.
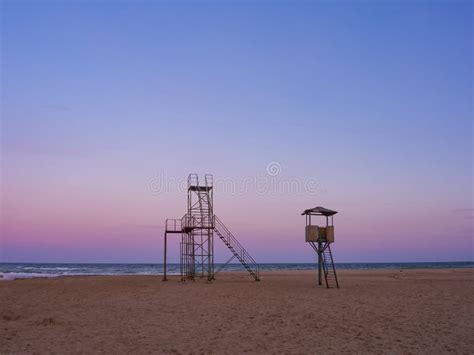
{"x":414,"y":311}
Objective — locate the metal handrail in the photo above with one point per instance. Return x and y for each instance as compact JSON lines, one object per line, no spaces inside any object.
{"x":245,"y":256}
{"x":232,"y":238}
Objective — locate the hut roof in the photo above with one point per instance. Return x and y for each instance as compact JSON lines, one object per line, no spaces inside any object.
{"x":319,"y":211}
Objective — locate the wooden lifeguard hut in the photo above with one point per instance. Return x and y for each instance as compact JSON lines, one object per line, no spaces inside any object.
{"x":320,"y":238}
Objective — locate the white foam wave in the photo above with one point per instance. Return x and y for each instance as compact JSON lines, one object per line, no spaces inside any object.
{"x":7,"y":276}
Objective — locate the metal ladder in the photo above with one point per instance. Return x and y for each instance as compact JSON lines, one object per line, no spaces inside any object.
{"x":236,"y":248}
{"x":328,"y":268}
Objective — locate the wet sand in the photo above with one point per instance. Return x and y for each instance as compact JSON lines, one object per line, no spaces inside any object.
{"x":414,"y":311}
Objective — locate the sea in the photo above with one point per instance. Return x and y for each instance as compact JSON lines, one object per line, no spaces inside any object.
{"x":12,"y":271}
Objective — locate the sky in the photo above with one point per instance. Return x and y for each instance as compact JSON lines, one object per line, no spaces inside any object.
{"x":364,"y":107}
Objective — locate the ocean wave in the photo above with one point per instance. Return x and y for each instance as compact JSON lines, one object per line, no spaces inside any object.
{"x":8,"y":276}
{"x":39,"y":268}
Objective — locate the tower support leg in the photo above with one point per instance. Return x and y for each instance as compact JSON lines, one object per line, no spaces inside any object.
{"x":320,"y":264}
{"x":210,"y":256}
{"x":164,"y":258}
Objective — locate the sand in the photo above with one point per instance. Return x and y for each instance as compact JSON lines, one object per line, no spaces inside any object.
{"x":414,"y":311}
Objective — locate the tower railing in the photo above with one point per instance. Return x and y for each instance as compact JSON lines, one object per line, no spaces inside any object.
{"x":193,"y":180}
{"x":187,"y":222}
{"x":208,"y":180}
{"x":173,"y":225}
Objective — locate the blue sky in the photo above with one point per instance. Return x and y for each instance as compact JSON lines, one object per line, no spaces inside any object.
{"x":373,"y":99}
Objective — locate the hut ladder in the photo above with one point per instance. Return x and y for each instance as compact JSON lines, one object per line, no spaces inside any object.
{"x":329,"y":268}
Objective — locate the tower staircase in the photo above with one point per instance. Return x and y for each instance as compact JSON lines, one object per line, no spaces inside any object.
{"x":200,"y":207}
{"x":328,"y":268}
{"x":236,"y":248}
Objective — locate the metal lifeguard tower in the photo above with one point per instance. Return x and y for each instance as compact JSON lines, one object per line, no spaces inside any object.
{"x":320,"y":239}
{"x":197,"y":228}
